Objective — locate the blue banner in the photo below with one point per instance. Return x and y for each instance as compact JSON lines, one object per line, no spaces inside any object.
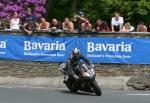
{"x":58,"y":49}
{"x":116,"y":50}
{"x":36,"y":48}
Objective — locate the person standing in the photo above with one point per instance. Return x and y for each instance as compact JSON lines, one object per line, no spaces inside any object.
{"x":117,"y":22}
{"x":30,"y":17}
{"x":15,"y":22}
{"x":78,"y":20}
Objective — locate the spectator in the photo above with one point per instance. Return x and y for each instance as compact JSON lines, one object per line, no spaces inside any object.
{"x":78,"y":20}
{"x":15,"y":22}
{"x":101,"y":26}
{"x":68,"y":26}
{"x":43,"y":25}
{"x":55,"y":26}
{"x":141,"y":27}
{"x":127,"y":27}
{"x":30,"y":27}
{"x":86,"y":27}
{"x":117,"y":22}
{"x":2,"y":26}
{"x":30,"y":17}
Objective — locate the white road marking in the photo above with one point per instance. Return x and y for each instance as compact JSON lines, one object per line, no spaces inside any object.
{"x":138,"y":94}
{"x":7,"y":86}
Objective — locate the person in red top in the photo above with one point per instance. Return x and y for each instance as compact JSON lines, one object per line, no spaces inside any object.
{"x":101,"y":26}
{"x":86,"y":26}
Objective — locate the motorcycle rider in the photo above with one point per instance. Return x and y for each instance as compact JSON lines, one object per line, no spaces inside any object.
{"x":73,"y":62}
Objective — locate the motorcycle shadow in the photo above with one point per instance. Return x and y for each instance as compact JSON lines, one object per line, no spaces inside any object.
{"x":76,"y":93}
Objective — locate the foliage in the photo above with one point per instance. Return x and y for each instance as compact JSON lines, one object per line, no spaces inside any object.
{"x":131,"y":10}
{"x":7,"y":7}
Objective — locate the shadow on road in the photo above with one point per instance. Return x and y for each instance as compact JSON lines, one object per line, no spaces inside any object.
{"x":77,"y":93}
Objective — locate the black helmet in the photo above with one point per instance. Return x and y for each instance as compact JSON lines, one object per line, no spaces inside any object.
{"x":81,"y":13}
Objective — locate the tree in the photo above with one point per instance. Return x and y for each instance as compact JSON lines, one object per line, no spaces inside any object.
{"x":131,"y":10}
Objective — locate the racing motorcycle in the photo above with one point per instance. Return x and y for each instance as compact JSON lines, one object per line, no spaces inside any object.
{"x":86,"y":82}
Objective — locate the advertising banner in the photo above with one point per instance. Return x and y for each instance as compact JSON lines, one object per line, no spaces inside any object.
{"x":116,"y":50}
{"x":36,"y":48}
{"x":58,"y":49}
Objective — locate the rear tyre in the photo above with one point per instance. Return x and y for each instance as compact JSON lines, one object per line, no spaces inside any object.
{"x":96,"y":88}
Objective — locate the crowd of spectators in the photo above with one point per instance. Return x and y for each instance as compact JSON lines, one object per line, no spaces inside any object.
{"x":77,"y":24}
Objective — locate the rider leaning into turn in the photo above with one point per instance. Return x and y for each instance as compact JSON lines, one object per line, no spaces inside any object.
{"x":74,"y":61}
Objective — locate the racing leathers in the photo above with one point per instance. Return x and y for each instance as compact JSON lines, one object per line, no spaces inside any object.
{"x":73,"y":62}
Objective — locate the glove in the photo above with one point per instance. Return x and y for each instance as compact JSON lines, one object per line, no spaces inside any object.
{"x":76,"y":77}
{"x":90,"y":66}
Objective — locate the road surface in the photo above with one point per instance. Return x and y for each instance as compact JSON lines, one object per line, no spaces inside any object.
{"x":49,"y":95}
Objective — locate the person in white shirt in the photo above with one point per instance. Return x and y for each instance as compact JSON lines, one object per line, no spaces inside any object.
{"x":15,"y":22}
{"x":117,"y":23}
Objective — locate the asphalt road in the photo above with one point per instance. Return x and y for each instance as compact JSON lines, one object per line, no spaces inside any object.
{"x":48,"y":95}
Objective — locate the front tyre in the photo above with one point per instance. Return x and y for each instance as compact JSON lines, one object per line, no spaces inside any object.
{"x":72,"y":86}
{"x":96,"y":88}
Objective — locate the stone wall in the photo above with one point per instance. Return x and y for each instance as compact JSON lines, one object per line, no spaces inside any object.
{"x":27,"y":69}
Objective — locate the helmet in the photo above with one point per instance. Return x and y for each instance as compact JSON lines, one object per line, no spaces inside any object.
{"x":81,"y":13}
{"x":76,"y":51}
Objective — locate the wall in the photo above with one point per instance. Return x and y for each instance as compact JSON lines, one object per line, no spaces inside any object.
{"x":26,"y":69}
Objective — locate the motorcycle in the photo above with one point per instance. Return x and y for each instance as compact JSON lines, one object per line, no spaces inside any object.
{"x":86,"y":82}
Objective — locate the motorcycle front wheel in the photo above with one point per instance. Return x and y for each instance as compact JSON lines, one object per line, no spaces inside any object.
{"x":72,"y":86}
{"x":96,"y":88}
